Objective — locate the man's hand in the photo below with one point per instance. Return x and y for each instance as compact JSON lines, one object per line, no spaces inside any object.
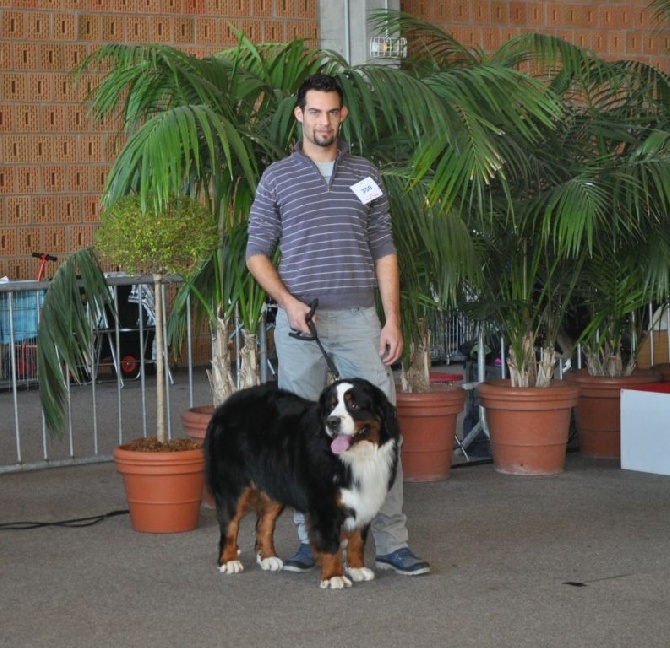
{"x":296,"y":312}
{"x":266,"y":274}
{"x":390,"y":344}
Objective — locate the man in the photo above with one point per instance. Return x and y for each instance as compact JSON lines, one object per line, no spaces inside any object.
{"x":329,"y":214}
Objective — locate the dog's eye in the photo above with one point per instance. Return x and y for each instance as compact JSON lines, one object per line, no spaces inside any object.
{"x":354,"y":407}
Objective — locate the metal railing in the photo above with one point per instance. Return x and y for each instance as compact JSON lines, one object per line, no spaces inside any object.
{"x":115,"y":400}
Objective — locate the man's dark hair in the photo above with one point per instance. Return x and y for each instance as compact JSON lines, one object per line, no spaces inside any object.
{"x":321,"y":82}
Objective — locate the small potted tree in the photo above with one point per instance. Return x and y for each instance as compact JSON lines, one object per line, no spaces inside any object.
{"x":143,"y":241}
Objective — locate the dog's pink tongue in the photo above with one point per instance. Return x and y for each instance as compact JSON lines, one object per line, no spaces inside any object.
{"x":340,"y":443}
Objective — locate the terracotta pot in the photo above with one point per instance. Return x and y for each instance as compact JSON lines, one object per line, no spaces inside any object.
{"x":528,"y":426}
{"x":195,"y":421}
{"x":164,"y":489}
{"x":664,"y":370}
{"x":428,"y":425}
{"x":598,"y":415}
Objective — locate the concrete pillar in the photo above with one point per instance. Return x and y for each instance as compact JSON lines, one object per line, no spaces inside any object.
{"x":344,"y":26}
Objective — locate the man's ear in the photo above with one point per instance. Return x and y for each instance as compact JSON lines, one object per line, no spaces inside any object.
{"x":298,"y":114}
{"x":343,"y":113}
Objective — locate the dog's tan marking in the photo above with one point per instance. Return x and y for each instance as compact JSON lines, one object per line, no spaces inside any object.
{"x":355,"y":550}
{"x":331,"y":564}
{"x":268,"y":511}
{"x":368,"y":431}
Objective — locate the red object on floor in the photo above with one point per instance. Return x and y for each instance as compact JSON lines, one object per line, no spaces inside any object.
{"x":443,"y":377}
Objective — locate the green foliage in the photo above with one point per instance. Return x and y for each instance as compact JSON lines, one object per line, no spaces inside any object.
{"x":77,"y":295}
{"x":142,"y":241}
{"x":551,"y":173}
{"x":486,"y":164}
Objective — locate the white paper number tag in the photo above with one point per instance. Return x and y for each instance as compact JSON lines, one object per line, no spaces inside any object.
{"x":366,"y":190}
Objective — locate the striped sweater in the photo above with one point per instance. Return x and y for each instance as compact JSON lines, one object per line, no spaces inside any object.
{"x":329,"y":240}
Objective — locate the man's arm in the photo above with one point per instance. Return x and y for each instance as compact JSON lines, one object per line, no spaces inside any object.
{"x":267,"y":276}
{"x":391,"y":343}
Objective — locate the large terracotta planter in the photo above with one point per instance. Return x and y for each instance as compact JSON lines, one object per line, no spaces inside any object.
{"x":528,"y":426}
{"x":195,"y":421}
{"x":598,"y":415}
{"x":664,"y":370}
{"x":428,"y":425}
{"x":164,"y":489}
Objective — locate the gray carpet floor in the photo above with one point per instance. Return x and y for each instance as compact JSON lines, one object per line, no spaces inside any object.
{"x":576,"y":559}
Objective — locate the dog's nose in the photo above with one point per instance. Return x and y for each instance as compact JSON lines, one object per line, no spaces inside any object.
{"x":333,"y":422}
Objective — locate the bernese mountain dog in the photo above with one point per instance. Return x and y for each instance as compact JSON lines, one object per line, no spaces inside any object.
{"x":334,"y":460}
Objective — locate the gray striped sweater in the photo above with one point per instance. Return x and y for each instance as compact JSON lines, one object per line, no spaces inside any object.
{"x":329,"y":240}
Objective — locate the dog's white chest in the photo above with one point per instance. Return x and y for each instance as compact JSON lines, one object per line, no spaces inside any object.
{"x":371,"y":469}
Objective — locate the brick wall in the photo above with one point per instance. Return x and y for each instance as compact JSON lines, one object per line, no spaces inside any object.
{"x":53,"y":158}
{"x":612,"y":29}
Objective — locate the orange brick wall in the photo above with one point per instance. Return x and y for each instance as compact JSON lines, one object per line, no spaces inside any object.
{"x":53,"y":159}
{"x":610,"y":28}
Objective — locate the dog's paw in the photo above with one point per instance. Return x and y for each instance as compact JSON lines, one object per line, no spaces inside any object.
{"x":336,"y":582}
{"x":272,"y":563}
{"x":232,"y":567}
{"x":360,"y":574}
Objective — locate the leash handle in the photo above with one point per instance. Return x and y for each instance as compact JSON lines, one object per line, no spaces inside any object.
{"x":309,"y":319}
{"x":313,"y":337}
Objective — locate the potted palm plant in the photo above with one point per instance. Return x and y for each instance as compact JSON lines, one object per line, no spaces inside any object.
{"x":559,"y":191}
{"x":607,"y":207}
{"x":479,"y":182}
{"x":142,"y":241}
{"x":224,"y":118}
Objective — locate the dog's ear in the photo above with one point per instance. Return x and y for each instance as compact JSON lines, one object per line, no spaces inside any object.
{"x":387,"y":412}
{"x":324,"y":402}
{"x":390,"y":428}
{"x":390,"y":419}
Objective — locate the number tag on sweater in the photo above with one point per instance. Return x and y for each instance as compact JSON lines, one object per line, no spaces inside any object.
{"x":366,"y":190}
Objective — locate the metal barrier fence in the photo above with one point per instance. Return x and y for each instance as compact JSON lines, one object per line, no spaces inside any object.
{"x":117,"y":402}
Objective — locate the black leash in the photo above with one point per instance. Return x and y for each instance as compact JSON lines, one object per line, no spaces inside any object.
{"x":313,"y":337}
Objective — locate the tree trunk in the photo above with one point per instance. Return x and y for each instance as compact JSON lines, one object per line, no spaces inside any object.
{"x":161,"y":430}
{"x":221,"y":378}
{"x":416,"y":378}
{"x":248,"y":362}
{"x":523,"y":371}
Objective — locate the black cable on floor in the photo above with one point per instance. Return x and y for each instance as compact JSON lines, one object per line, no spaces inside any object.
{"x":75,"y":523}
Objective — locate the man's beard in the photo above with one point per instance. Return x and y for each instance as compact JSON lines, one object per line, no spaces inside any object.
{"x":321,"y":141}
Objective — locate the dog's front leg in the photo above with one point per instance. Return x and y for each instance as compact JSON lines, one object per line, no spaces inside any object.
{"x":356,"y":568}
{"x":332,"y":572}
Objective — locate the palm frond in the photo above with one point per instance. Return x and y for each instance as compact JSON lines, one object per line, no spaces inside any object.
{"x":64,"y":337}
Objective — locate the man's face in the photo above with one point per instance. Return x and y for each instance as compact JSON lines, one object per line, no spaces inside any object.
{"x":321,"y":117}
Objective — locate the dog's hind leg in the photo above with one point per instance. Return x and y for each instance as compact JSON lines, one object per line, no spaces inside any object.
{"x":229,"y":551}
{"x":268,"y":510}
{"x":355,"y":563}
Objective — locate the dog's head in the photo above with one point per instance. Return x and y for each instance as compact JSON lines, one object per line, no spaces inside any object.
{"x":355,"y":411}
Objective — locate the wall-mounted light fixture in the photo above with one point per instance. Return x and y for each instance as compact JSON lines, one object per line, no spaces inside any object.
{"x":388,"y":47}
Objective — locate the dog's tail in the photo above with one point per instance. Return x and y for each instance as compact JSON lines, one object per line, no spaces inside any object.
{"x":210,"y":450}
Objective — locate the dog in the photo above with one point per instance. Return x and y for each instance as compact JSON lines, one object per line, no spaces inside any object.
{"x":334,"y":459}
